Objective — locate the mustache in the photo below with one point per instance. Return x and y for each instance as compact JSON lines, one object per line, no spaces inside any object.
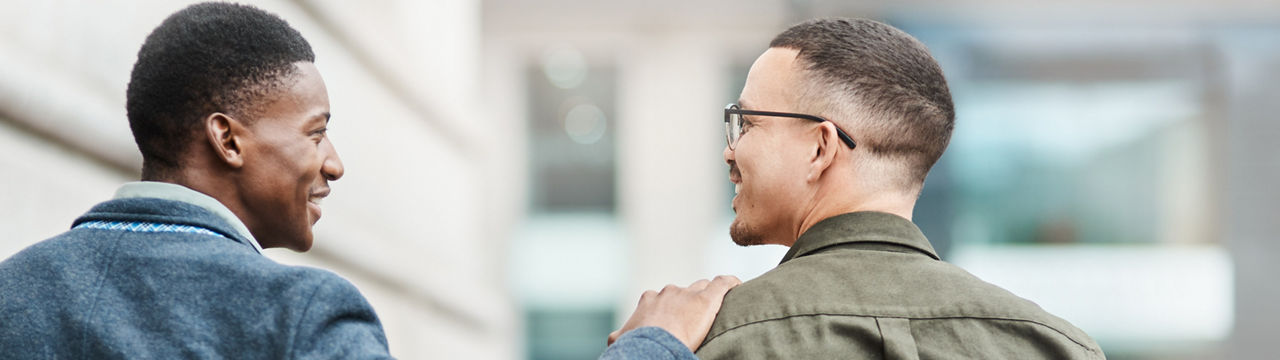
{"x":733,"y":171}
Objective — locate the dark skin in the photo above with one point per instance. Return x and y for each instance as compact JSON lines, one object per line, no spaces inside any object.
{"x":270,"y":170}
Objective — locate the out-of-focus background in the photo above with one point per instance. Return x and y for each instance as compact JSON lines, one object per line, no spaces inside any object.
{"x":519,"y":171}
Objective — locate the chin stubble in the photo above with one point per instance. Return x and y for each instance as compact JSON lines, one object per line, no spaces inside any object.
{"x":744,"y":235}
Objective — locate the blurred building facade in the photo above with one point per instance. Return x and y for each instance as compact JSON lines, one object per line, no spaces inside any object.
{"x":519,"y":171}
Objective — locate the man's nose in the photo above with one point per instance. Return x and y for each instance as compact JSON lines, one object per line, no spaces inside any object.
{"x":728,"y":155}
{"x":332,"y":167}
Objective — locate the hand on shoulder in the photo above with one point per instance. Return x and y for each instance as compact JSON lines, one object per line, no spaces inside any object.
{"x":685,"y":312}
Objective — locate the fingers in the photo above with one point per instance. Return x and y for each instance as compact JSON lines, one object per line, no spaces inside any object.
{"x":685,"y":312}
{"x":721,"y":284}
{"x":670,"y":288}
{"x":717,"y":286}
{"x":699,"y":285}
{"x":648,"y":295}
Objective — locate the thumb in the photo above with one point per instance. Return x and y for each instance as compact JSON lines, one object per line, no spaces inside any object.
{"x":613,"y":336}
{"x":721,"y":284}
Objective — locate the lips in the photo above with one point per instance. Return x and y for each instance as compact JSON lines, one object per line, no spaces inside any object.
{"x":314,"y":201}
{"x":735,"y":177}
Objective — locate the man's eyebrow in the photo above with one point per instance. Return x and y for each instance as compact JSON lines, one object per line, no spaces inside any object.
{"x":742,"y":104}
{"x":314,"y":121}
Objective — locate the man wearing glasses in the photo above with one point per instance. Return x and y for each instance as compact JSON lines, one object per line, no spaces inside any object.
{"x":828,"y":149}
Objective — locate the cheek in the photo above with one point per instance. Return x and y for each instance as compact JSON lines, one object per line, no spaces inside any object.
{"x":302,"y":161}
{"x":287,"y":177}
{"x":772,"y":171}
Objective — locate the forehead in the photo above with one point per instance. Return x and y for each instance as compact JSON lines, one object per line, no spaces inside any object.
{"x":772,"y":82}
{"x":302,"y":96}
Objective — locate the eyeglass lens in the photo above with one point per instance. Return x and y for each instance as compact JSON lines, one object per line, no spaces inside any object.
{"x":733,"y":128}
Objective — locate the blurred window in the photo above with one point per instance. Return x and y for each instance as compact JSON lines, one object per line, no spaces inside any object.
{"x":572,"y":142}
{"x":568,"y":298}
{"x":1071,"y":137}
{"x":1066,"y":162}
{"x":567,"y":334}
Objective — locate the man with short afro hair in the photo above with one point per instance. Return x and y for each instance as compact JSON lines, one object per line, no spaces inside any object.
{"x":230,"y":113}
{"x":209,"y":57}
{"x":231,"y":116}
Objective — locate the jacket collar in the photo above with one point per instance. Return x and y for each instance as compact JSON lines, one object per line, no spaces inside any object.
{"x":141,"y":209}
{"x":871,"y":230}
{"x":175,"y":192}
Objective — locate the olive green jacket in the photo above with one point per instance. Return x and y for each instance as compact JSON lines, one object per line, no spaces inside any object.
{"x":868,"y":285}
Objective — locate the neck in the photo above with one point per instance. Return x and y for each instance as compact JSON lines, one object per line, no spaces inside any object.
{"x":828,"y":205}
{"x":193,"y":178}
{"x":205,"y":181}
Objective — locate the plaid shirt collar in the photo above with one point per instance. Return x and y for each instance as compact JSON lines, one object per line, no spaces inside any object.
{"x":175,"y":192}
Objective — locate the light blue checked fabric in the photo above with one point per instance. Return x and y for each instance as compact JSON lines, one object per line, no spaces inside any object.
{"x":145,"y":227}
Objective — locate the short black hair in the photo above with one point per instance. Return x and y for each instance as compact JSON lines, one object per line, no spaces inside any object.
{"x":890,"y":78}
{"x":206,"y":58}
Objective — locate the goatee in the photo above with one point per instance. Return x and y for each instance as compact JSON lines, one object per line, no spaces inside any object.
{"x":744,"y":235}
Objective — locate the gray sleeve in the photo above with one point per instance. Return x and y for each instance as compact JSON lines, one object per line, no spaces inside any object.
{"x":648,"y":343}
{"x":338,"y":323}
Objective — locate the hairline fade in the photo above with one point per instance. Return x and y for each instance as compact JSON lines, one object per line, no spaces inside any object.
{"x":880,"y":84}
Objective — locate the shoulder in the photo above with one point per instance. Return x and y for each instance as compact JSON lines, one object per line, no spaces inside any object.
{"x":56,"y":257}
{"x":783,"y":292}
{"x":258,"y":276}
{"x":877,"y":283}
{"x":48,"y":275}
{"x":319,"y":287}
{"x":861,"y":286}
{"x":334,"y":319}
{"x":319,"y":313}
{"x":309,"y":290}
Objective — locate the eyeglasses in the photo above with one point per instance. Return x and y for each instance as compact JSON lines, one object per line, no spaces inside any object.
{"x":733,"y":123}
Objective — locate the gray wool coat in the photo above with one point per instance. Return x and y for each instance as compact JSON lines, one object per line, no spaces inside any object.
{"x":111,"y":293}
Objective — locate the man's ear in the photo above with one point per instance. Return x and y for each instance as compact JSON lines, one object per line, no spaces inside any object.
{"x":223,"y":133}
{"x":824,"y":153}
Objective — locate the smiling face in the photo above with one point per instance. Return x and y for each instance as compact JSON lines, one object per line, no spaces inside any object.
{"x":769,"y":163}
{"x":288,"y":162}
